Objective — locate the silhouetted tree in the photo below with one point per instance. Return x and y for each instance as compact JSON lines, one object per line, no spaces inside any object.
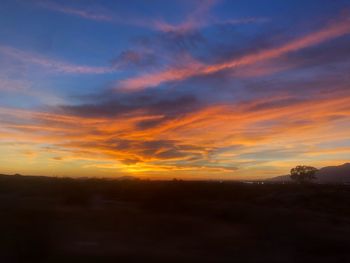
{"x":303,"y":173}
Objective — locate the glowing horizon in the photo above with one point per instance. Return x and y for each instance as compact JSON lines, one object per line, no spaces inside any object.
{"x":188,"y":89}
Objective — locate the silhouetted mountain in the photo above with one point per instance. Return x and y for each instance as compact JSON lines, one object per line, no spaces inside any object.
{"x":126,"y":178}
{"x":336,"y":174}
{"x":280,"y":178}
{"x":329,"y":174}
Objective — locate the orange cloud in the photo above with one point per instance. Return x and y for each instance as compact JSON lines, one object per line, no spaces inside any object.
{"x":186,"y":144}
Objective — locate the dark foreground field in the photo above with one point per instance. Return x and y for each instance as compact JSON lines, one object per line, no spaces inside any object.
{"x":65,"y":220}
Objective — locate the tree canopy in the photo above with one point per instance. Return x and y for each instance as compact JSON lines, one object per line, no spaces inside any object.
{"x":303,"y":173}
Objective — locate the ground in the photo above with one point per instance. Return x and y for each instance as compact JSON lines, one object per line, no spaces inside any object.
{"x":65,"y":220}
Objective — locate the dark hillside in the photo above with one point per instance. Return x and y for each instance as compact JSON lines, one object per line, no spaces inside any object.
{"x":331,"y":174}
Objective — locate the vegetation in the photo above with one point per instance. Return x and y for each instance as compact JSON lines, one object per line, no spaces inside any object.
{"x":303,"y":174}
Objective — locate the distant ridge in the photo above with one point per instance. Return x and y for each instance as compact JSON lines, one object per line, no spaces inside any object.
{"x":339,"y":174}
{"x":329,"y":174}
{"x":126,"y":178}
{"x":120,"y":178}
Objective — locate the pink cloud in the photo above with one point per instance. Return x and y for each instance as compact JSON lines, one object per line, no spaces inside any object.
{"x":200,"y":18}
{"x":331,"y":31}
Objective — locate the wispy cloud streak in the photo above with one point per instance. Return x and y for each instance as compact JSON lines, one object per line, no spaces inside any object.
{"x":51,"y":64}
{"x":197,"y":19}
{"x":83,"y":13}
{"x":334,"y":30}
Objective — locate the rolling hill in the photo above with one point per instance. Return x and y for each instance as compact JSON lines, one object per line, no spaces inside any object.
{"x":329,"y":174}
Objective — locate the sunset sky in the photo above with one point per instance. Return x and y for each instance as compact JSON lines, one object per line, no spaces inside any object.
{"x":207,"y":89}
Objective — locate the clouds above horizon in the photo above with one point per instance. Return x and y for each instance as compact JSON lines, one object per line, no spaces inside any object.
{"x":208,"y":93}
{"x":51,"y":64}
{"x":194,"y":68}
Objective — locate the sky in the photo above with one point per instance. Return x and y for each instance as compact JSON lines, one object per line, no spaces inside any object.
{"x":190,"y":89}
